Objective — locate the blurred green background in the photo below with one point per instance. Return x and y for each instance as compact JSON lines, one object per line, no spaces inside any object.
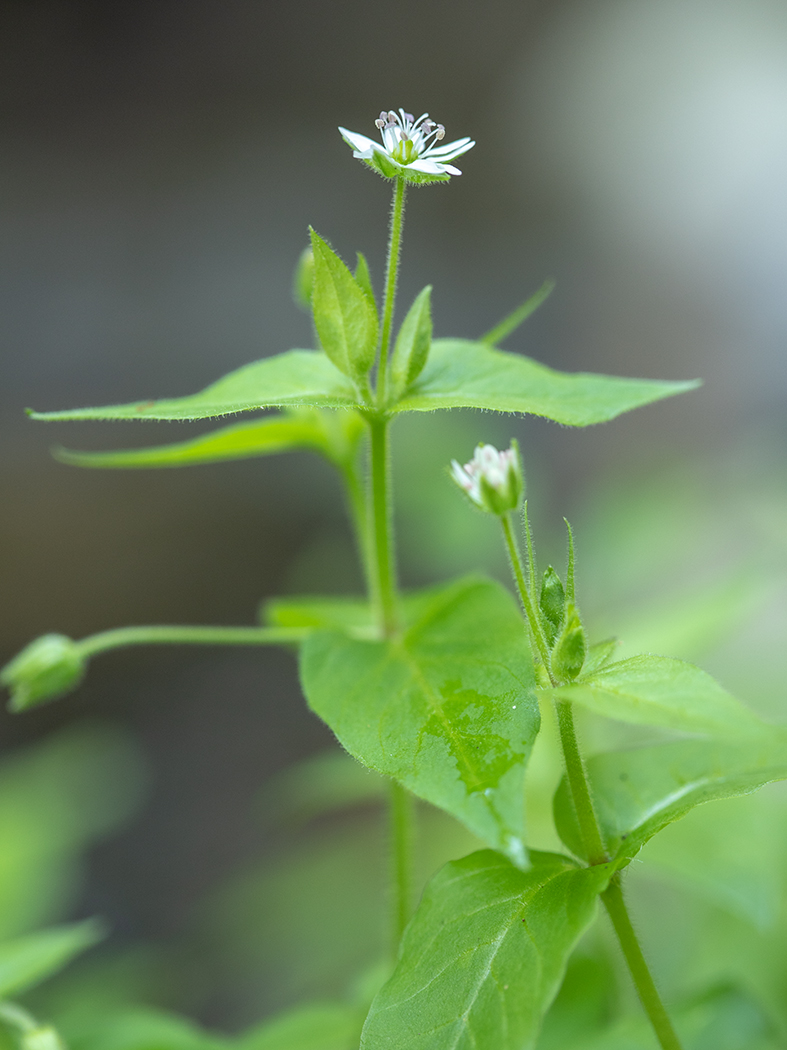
{"x":160,"y":166}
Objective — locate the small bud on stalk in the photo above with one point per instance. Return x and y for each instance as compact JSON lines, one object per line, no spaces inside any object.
{"x":303,"y":280}
{"x":568,"y":655}
{"x":493,"y":480}
{"x":552,"y":602}
{"x":48,"y":668}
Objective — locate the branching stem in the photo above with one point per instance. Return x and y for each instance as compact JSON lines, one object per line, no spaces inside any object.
{"x":185,"y":635}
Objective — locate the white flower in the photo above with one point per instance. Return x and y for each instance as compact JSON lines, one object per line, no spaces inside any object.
{"x":409,"y":148}
{"x":492,"y":479}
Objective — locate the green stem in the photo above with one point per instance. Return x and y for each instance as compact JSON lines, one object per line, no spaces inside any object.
{"x":643,"y":981}
{"x":183,"y":635}
{"x":384,"y":590}
{"x":391,"y":276}
{"x":401,"y":821}
{"x":527,"y":604}
{"x":356,"y":504}
{"x":578,"y":785}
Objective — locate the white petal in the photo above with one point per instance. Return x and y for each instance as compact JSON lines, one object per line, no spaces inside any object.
{"x":428,"y":167}
{"x":449,"y":169}
{"x":453,"y":149}
{"x":358,"y":142}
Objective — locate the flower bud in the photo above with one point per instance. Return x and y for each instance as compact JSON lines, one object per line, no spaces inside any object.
{"x":552,"y":603}
{"x":49,"y":667}
{"x":303,"y":279}
{"x":492,"y":479}
{"x":568,"y":654}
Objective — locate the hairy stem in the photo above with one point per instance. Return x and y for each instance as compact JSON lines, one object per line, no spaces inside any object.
{"x":641,"y":975}
{"x":384,"y":590}
{"x":356,"y":505}
{"x":401,"y":821}
{"x":578,"y":785}
{"x":391,"y":277}
{"x":533,"y":620}
{"x":184,"y":635}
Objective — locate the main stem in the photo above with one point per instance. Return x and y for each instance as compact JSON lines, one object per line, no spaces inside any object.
{"x":643,"y":981}
{"x":400,"y":810}
{"x":588,"y":822}
{"x":391,"y":277}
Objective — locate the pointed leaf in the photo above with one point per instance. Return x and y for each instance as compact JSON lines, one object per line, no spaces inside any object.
{"x":638,"y":792}
{"x":364,"y":278}
{"x":659,"y":691}
{"x":484,"y":955}
{"x":298,"y":377}
{"x":412,"y":343}
{"x":519,"y":316}
{"x":448,"y":709}
{"x":28,"y":960}
{"x":345,"y":319}
{"x":463,"y":374}
{"x":334,"y":437}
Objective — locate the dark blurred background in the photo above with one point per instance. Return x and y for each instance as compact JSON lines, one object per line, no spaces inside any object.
{"x":159,"y":167}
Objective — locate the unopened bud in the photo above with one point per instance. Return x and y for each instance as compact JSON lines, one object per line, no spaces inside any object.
{"x":568,"y":654}
{"x":49,"y":667}
{"x":303,"y":279}
{"x":552,"y":602}
{"x":492,"y":479}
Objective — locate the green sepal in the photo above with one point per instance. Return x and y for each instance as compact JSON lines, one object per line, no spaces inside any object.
{"x":345,"y":319}
{"x":48,"y":668}
{"x":389,"y":169}
{"x":303,"y":280}
{"x":364,"y":278}
{"x":552,"y":602}
{"x":412,"y":344}
{"x":484,"y":954}
{"x":569,"y":651}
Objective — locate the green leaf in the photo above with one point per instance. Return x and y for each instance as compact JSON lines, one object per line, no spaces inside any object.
{"x":517,"y":317}
{"x":659,"y":691}
{"x":364,"y":278}
{"x":144,"y":1028}
{"x":599,"y":655}
{"x":638,"y":792}
{"x":318,"y":1026}
{"x":352,"y":615}
{"x":295,"y":378}
{"x":448,"y":709}
{"x":345,"y":319}
{"x":334,"y":434}
{"x":484,"y":955}
{"x":463,"y":374}
{"x":412,"y":343}
{"x":28,"y":960}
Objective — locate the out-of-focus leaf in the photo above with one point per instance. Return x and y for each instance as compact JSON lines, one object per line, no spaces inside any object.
{"x":334,"y":434}
{"x":599,"y":655}
{"x":483,"y":957}
{"x":658,"y":691}
{"x":517,"y":317}
{"x":584,"y":1004}
{"x":325,"y":783}
{"x":28,"y":960}
{"x":464,"y":374}
{"x":293,"y":379}
{"x":318,"y":1026}
{"x":353,"y":615}
{"x":637,"y":793}
{"x":145,"y":1028}
{"x":449,"y":709}
{"x":55,"y":798}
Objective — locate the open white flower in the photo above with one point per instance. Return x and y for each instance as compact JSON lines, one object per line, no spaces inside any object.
{"x":492,"y":479}
{"x":410,"y":148}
